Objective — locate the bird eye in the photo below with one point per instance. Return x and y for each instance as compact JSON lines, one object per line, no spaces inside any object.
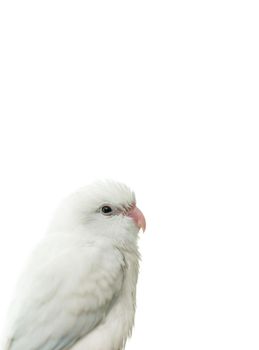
{"x":106,"y":210}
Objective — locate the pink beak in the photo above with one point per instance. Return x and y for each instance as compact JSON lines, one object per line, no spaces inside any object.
{"x":136,"y":214}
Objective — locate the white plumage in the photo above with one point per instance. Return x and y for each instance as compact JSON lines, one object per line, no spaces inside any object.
{"x":78,"y":291}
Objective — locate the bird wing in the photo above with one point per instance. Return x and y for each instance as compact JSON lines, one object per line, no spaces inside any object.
{"x":64,"y":298}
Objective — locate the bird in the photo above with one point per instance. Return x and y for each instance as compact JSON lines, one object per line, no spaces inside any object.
{"x":78,"y":289}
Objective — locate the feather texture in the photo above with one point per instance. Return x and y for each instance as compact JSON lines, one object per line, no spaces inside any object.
{"x":78,"y":291}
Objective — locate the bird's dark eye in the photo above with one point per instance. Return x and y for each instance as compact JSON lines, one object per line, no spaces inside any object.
{"x":106,"y":210}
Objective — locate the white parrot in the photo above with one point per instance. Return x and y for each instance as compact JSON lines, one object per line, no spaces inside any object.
{"x":78,"y":291}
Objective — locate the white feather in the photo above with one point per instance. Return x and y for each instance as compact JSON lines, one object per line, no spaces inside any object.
{"x":78,"y":291}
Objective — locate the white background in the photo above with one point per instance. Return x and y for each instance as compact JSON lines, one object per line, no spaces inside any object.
{"x":162,"y":95}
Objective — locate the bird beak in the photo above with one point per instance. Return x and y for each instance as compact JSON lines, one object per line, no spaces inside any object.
{"x":136,"y":214}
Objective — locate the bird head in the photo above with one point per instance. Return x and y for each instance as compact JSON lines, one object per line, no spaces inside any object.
{"x":105,"y":208}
